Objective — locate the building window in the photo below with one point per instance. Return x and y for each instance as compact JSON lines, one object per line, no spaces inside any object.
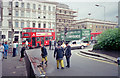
{"x":28,"y":6}
{"x":60,"y":11}
{"x":33,"y":25}
{"x":10,"y":3}
{"x":34,"y":6}
{"x":10,"y":24}
{"x":44,"y":17}
{"x":53,"y":8}
{"x":16,"y":13}
{"x":103,"y":26}
{"x":10,"y":12}
{"x":39,"y":25}
{"x":44,"y":25}
{"x":9,"y":34}
{"x":22,"y":5}
{"x":22,"y":24}
{"x":16,"y":24}
{"x":49,"y":8}
{"x":99,"y":26}
{"x":22,"y":13}
{"x":44,"y":7}
{"x":16,"y":4}
{"x":39,"y":6}
{"x":28,"y":24}
{"x":59,"y":20}
{"x":65,"y":12}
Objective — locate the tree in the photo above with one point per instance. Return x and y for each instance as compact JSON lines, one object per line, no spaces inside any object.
{"x":108,"y":40}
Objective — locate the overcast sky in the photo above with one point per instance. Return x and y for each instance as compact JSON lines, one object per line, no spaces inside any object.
{"x":88,"y":6}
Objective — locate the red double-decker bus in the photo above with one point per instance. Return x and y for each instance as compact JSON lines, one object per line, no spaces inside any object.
{"x":37,"y":36}
{"x":93,"y":35}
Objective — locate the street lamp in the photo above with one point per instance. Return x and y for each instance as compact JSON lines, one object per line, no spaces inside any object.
{"x":12,"y":30}
{"x":103,"y":7}
{"x":89,"y":14}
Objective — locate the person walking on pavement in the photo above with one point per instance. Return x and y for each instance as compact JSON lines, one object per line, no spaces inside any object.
{"x":59,"y":53}
{"x":6,"y":47}
{"x":68,"y":54}
{"x":44,"y":55}
{"x":1,"y":51}
{"x":22,"y":52}
{"x":50,"y":44}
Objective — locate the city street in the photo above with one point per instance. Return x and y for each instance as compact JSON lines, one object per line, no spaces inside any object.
{"x":80,"y":65}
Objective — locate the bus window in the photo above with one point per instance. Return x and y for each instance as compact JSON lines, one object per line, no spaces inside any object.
{"x":33,"y":30}
{"x":37,"y":30}
{"x":46,"y":30}
{"x":46,"y":38}
{"x":26,"y":30}
{"x":52,"y":31}
{"x":42,"y":30}
{"x":49,"y":30}
{"x":38,"y":38}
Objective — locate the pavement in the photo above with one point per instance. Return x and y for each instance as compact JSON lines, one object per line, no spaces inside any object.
{"x":13,"y":67}
{"x":89,"y":52}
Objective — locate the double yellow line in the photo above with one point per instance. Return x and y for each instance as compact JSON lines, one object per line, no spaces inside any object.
{"x":97,"y":59}
{"x":41,"y":70}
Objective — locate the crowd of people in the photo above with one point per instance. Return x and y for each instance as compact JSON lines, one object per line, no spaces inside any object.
{"x":4,"y":48}
{"x":59,"y":54}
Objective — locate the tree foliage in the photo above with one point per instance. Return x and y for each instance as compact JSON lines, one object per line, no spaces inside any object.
{"x":108,"y":40}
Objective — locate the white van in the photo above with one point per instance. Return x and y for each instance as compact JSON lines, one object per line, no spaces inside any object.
{"x":77,"y":44}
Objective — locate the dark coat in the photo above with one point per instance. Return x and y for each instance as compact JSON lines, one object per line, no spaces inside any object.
{"x":50,"y":42}
{"x":68,"y":51}
{"x":44,"y":52}
{"x":59,"y":53}
{"x":22,"y":52}
{"x":54,"y":43}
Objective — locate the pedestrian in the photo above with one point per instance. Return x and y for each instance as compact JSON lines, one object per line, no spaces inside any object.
{"x":26,"y":44}
{"x":59,"y":53}
{"x":22,"y":53}
{"x":14,"y":48}
{"x":50,"y":44}
{"x":44,"y":55}
{"x":68,"y":54}
{"x":55,"y":43}
{"x":1,"y":51}
{"x":6,"y":47}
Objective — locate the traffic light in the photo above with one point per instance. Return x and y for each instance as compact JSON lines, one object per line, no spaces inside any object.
{"x":65,"y":31}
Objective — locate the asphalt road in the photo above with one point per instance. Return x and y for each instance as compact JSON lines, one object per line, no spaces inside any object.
{"x":80,"y":65}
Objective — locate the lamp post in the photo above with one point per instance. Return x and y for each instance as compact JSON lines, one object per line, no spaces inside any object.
{"x":12,"y":30}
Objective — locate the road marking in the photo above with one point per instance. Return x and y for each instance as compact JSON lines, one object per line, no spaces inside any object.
{"x":43,"y":70}
{"x":97,"y":59}
{"x":39,"y":71}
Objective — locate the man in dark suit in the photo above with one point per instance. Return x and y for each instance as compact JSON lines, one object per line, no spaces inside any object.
{"x":68,"y":54}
